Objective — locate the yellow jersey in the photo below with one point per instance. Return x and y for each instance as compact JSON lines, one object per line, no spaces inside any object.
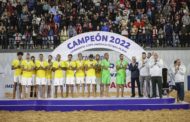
{"x":98,"y":69}
{"x":90,"y":71}
{"x":16,"y":63}
{"x":34,"y":71}
{"x":27,"y":65}
{"x":41,"y":73}
{"x":49,"y":70}
{"x":70,"y":72}
{"x":58,"y":69}
{"x":80,"y":64}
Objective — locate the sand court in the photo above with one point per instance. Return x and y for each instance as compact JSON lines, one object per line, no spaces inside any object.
{"x":99,"y":116}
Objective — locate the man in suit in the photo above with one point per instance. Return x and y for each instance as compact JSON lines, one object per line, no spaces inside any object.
{"x":133,"y":67}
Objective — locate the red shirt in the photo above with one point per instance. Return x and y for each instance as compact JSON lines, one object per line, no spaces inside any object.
{"x":138,"y":24}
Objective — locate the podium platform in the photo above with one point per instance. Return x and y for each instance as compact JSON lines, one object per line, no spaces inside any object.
{"x":98,"y":104}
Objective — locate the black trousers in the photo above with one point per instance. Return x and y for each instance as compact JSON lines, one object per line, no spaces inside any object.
{"x":133,"y":86}
{"x":180,"y":90}
{"x":156,"y":80}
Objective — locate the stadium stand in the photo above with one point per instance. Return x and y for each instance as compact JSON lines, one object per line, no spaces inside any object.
{"x":44,"y":24}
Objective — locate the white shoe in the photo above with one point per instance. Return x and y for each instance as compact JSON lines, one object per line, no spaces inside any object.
{"x":182,"y":102}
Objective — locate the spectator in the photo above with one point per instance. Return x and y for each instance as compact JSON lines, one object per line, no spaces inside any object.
{"x":139,"y":23}
{"x":56,"y":36}
{"x":3,"y":38}
{"x":97,"y":4}
{"x":78,"y":28}
{"x":183,"y":35}
{"x":176,"y":29}
{"x":155,"y":36}
{"x":13,"y":20}
{"x":18,"y":37}
{"x":46,"y":7}
{"x":24,"y":20}
{"x":26,"y":38}
{"x":31,"y":4}
{"x":90,"y":27}
{"x":19,"y":8}
{"x":188,"y":36}
{"x":143,"y":36}
{"x":71,"y":31}
{"x":44,"y":33}
{"x":64,"y":34}
{"x":148,"y":36}
{"x":34,"y":37}
{"x":51,"y":35}
{"x":105,"y":27}
{"x":9,"y":37}
{"x":125,"y":32}
{"x":140,"y":36}
{"x":134,"y":31}
{"x":161,"y":37}
{"x":186,"y":19}
{"x":83,"y":16}
{"x":39,"y":40}
{"x":176,"y":40}
{"x":57,"y":19}
{"x":168,"y":30}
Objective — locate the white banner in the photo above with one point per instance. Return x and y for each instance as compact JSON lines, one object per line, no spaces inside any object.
{"x":97,"y":40}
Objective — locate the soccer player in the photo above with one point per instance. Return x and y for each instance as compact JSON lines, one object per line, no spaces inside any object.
{"x":49,"y":75}
{"x":41,"y":66}
{"x":98,"y":72}
{"x":16,"y":66}
{"x":121,"y":66}
{"x":33,"y":87}
{"x":105,"y":74}
{"x":90,"y":65}
{"x":80,"y":74}
{"x":58,"y":67}
{"x":27,"y":67}
{"x":70,"y":74}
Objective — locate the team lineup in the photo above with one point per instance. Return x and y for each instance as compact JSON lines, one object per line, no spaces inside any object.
{"x":92,"y":74}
